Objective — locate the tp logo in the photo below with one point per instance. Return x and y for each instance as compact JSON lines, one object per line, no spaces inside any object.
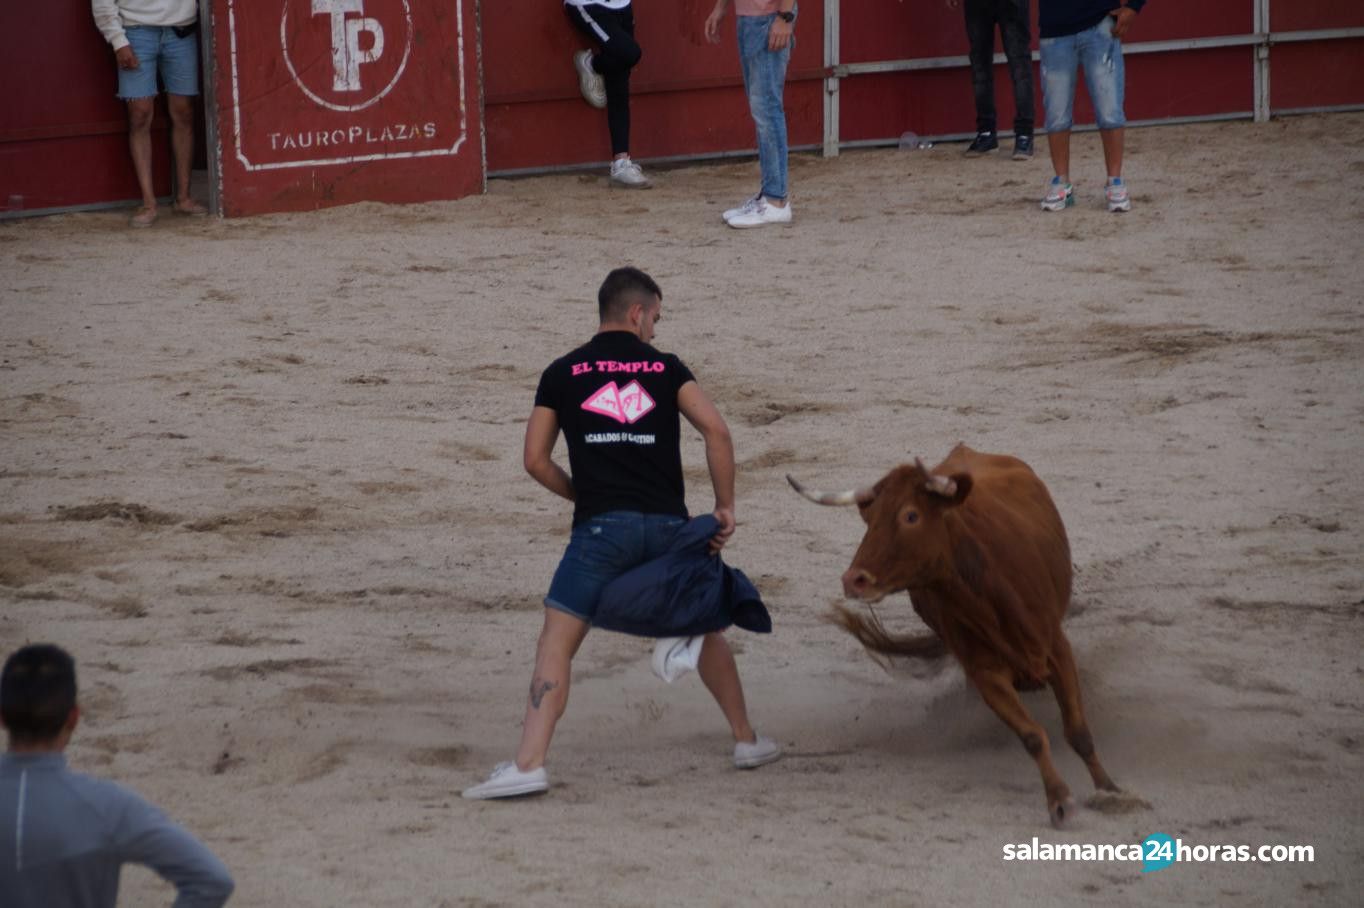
{"x":346,"y":53}
{"x":339,"y":52}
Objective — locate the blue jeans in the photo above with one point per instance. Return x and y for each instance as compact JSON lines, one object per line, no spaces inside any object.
{"x":1101,"y":55}
{"x":764,"y":79}
{"x":159,"y":49}
{"x":602,"y":548}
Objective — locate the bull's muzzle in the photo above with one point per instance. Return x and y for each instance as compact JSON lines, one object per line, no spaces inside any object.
{"x":857,"y":583}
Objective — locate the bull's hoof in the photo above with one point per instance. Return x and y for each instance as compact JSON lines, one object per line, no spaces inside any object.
{"x":1061,"y":812}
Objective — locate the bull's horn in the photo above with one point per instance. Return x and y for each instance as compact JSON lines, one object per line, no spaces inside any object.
{"x":852,"y":496}
{"x":937,"y":485}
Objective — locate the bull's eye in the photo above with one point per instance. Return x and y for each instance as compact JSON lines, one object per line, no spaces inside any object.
{"x":912,"y":517}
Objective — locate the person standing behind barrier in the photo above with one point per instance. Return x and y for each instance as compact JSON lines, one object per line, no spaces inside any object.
{"x":604,"y":77}
{"x":151,"y":37}
{"x":1086,"y":33}
{"x":1015,"y":29}
{"x":766,"y":35}
{"x":64,"y":837}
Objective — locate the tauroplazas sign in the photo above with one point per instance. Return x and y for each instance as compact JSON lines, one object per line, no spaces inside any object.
{"x":331,"y":101}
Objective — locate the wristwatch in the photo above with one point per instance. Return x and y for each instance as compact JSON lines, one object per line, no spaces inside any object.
{"x":787,"y":16}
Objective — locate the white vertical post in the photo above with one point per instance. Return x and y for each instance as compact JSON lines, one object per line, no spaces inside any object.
{"x":1261,"y":59}
{"x":831,"y":17}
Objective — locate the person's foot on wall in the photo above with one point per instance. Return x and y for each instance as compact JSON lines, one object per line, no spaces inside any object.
{"x":590,"y":82}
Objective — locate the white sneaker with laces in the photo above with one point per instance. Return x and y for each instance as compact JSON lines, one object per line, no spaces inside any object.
{"x":749,"y":204}
{"x":1059,"y":197}
{"x":507,"y":781}
{"x":761,"y":752}
{"x":1115,"y":194}
{"x":625,"y":172}
{"x":761,"y":215}
{"x":590,"y":82}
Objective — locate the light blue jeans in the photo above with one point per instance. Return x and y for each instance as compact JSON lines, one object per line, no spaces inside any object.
{"x":1101,"y":55}
{"x":764,"y":80}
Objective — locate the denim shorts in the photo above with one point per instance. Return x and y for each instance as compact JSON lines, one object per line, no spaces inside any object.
{"x":600,"y":550}
{"x":1101,"y":56}
{"x":159,"y":49}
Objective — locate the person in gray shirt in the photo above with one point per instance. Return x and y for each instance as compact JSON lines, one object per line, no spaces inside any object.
{"x":64,"y":836}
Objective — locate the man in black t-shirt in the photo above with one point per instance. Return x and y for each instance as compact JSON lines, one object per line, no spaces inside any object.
{"x":618,"y":402}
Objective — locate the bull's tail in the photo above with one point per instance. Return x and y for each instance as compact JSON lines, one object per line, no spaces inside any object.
{"x":882,"y":644}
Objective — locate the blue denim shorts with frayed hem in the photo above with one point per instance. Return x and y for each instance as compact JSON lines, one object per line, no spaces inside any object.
{"x":160,"y":50}
{"x":602,"y":548}
{"x":1101,"y":56}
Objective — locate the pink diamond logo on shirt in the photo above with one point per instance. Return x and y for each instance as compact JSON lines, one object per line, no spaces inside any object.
{"x":626,"y":404}
{"x":635,"y":401}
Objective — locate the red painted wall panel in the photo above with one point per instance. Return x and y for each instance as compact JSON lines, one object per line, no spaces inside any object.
{"x":1308,"y":15}
{"x":878,"y":30}
{"x":323,"y":103}
{"x":1166,"y":20}
{"x":686,"y":95}
{"x":63,"y":134}
{"x":1317,"y":74}
{"x":939,"y":102}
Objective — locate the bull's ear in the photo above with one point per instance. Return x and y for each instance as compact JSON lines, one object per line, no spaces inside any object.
{"x":950,"y":491}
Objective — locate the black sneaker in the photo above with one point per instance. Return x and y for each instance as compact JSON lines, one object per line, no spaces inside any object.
{"x":1022,"y":148}
{"x":985,"y":142}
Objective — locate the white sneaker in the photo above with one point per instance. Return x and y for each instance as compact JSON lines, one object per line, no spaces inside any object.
{"x":759,"y":753}
{"x":1059,"y":197}
{"x":590,"y":82}
{"x":507,"y":781}
{"x":1115,"y":194}
{"x":625,"y":172}
{"x":761,"y":215}
{"x":749,"y":204}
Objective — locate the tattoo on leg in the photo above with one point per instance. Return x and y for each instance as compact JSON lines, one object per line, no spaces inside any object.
{"x":538,"y":689}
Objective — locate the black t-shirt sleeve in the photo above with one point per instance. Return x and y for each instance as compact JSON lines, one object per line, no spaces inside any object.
{"x":548,"y":392}
{"x":682,"y":372}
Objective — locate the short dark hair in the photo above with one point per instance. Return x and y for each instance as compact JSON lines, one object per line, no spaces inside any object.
{"x":37,"y":692}
{"x":622,"y":289}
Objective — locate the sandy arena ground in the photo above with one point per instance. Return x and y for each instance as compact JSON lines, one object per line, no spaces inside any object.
{"x":263,"y":478}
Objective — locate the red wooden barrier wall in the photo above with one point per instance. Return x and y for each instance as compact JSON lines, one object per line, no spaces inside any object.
{"x":686,"y":95}
{"x":1317,"y":73}
{"x":1189,"y":83}
{"x":63,"y":133}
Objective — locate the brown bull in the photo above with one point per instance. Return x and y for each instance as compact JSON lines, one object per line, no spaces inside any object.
{"x":981,"y":549}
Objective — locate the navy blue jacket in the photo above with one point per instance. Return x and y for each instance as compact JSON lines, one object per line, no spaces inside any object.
{"x":684,"y":593}
{"x":1058,"y":18}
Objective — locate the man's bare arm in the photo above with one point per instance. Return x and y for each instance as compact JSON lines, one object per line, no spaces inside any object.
{"x":542,"y":430}
{"x":701,"y":413}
